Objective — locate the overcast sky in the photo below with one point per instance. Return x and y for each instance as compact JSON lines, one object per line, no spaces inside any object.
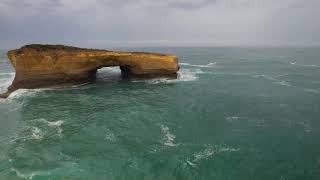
{"x":105,"y":23}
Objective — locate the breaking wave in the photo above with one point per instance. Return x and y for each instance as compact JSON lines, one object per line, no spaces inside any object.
{"x":189,"y":74}
{"x":109,"y":73}
{"x":275,"y":81}
{"x":23,"y":175}
{"x":37,"y":133}
{"x":168,"y":139}
{"x":209,"y":152}
{"x":183,"y":76}
{"x":5,"y":81}
{"x":212,"y":64}
{"x":306,"y":127}
{"x":312,"y":91}
{"x":304,"y":65}
{"x":23,"y":92}
{"x":51,"y":123}
{"x":40,"y":129}
{"x":232,"y":118}
{"x":10,"y":73}
{"x":110,"y":136}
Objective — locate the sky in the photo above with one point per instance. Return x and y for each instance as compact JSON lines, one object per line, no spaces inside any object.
{"x":111,"y":23}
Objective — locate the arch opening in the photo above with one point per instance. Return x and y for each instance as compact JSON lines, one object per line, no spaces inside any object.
{"x":110,"y":73}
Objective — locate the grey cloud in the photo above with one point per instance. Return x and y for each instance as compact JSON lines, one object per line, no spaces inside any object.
{"x":22,"y":5}
{"x":179,"y":4}
{"x":191,"y":4}
{"x":166,"y":22}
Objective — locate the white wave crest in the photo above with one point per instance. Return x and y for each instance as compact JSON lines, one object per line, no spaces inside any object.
{"x":212,"y":64}
{"x":304,"y":65}
{"x":22,"y":175}
{"x":306,"y":127}
{"x":5,"y":81}
{"x":183,"y":75}
{"x":23,"y":92}
{"x":205,"y":154}
{"x":168,"y":138}
{"x":37,"y":134}
{"x":73,"y":86}
{"x":110,"y":136}
{"x":312,"y":91}
{"x":158,"y":81}
{"x":51,"y":123}
{"x":232,"y":118}
{"x":283,"y":83}
{"x":109,"y":73}
{"x":11,"y":73}
{"x":184,"y":64}
{"x":208,"y":153}
{"x":275,"y":81}
{"x":115,"y":69}
{"x":189,"y":74}
{"x":30,"y":175}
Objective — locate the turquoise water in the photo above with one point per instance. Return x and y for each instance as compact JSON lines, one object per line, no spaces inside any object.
{"x":233,"y":113}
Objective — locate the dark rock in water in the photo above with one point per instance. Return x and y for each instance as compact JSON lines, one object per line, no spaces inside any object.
{"x":5,"y":95}
{"x":39,"y":66}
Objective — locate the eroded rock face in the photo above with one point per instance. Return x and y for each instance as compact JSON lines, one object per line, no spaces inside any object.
{"x":39,"y":66}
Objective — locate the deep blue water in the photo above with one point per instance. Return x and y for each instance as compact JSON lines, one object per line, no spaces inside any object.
{"x":233,"y":114}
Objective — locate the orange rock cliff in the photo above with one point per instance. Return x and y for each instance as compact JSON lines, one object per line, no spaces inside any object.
{"x":39,"y":66}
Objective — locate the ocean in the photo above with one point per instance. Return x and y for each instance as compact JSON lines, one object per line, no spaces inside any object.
{"x":233,"y":114}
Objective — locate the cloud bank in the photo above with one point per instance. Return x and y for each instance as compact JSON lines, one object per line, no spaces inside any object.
{"x":103,"y":23}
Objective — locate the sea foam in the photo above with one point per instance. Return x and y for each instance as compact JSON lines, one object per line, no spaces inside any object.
{"x":184,"y":75}
{"x":189,"y":74}
{"x":23,"y":92}
{"x":168,"y":138}
{"x":304,"y":65}
{"x":209,"y":65}
{"x":51,"y":123}
{"x":37,"y":133}
{"x":5,"y":81}
{"x":274,"y":80}
{"x":232,"y":118}
{"x":209,"y":152}
{"x":109,"y":136}
{"x":312,"y":90}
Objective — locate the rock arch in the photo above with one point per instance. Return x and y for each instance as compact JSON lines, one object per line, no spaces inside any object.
{"x":39,"y":66}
